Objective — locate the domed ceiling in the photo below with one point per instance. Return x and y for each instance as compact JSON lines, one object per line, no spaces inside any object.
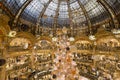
{"x":62,"y":12}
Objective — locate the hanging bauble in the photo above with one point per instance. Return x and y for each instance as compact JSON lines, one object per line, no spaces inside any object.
{"x":54,"y":76}
{"x":54,"y":39}
{"x":67,"y":48}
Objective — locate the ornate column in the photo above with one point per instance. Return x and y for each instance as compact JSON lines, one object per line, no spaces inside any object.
{"x":70,"y":18}
{"x":111,"y":12}
{"x":20,"y":11}
{"x":69,"y":12}
{"x":86,"y":16}
{"x":4,"y":51}
{"x":57,"y":14}
{"x":41,"y":15}
{"x":94,"y":52}
{"x":32,"y":57}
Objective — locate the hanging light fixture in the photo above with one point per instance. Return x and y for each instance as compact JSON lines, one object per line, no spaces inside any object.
{"x":71,"y":39}
{"x":92,"y":37}
{"x":116,"y":31}
{"x":54,"y":39}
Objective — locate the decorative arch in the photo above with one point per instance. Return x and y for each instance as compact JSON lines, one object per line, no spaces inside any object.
{"x":27,"y":35}
{"x":19,"y":44}
{"x":44,"y":39}
{"x":108,"y":43}
{"x":82,"y":38}
{"x":22,"y":41}
{"x":83,"y":45}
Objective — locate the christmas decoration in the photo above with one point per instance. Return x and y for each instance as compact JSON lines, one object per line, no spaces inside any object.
{"x":64,"y":67}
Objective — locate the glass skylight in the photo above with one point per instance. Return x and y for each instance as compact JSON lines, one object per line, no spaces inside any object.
{"x":36,"y":7}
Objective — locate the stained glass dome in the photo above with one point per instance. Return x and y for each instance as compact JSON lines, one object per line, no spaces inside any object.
{"x":62,"y":12}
